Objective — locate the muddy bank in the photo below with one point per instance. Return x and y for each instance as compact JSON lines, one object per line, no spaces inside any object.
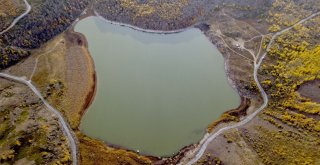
{"x":81,"y":40}
{"x":79,"y":77}
{"x":233,"y":115}
{"x":311,"y":90}
{"x":90,"y":96}
{"x":229,"y":116}
{"x":239,"y":112}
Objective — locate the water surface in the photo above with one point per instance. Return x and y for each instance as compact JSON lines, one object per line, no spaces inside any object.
{"x":156,"y":93}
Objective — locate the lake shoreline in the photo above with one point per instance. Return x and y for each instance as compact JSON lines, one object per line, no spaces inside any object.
{"x":238,"y":112}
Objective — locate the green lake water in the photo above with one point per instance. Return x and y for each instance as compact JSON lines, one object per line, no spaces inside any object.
{"x":156,"y":93}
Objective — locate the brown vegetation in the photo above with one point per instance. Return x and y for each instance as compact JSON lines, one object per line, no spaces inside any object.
{"x":232,"y":115}
{"x":47,"y":19}
{"x":66,"y":78}
{"x":29,"y":133}
{"x":8,"y":11}
{"x":97,"y":153}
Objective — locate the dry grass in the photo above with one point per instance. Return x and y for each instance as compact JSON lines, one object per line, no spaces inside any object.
{"x":11,"y":8}
{"x":94,"y":152}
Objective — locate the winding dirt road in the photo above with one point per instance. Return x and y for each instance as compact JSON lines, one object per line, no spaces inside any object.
{"x":66,"y":128}
{"x":257,"y":64}
{"x":14,"y":22}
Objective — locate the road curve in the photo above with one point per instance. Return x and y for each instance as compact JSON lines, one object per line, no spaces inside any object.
{"x":66,"y":129}
{"x":262,"y":91}
{"x":28,"y":9}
